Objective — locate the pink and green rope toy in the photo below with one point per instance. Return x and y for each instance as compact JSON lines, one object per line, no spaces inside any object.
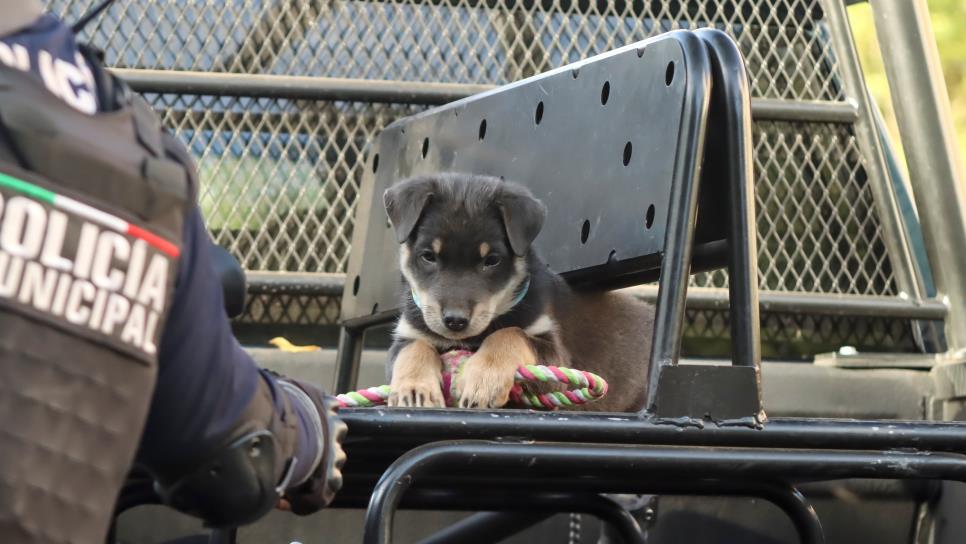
{"x":583,"y":387}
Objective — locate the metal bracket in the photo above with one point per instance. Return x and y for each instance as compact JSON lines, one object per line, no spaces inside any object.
{"x":710,"y":393}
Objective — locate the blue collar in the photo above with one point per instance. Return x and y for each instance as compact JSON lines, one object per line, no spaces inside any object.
{"x":521,"y":294}
{"x":522,"y":291}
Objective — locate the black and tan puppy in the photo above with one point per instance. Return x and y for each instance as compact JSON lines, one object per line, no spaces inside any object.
{"x":471,"y":281}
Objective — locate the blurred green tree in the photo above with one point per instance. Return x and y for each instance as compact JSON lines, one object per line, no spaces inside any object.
{"x":949,"y":25}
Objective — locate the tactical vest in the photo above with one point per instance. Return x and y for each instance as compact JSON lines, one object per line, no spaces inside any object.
{"x":91,"y":215}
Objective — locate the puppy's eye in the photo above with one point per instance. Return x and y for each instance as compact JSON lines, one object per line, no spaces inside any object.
{"x":491,"y":260}
{"x":428,"y":256}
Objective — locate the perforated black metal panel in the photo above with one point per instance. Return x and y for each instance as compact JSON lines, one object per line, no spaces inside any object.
{"x":596,"y":141}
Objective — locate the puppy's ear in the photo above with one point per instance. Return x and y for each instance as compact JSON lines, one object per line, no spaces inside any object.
{"x":523,"y":217}
{"x":405,"y":202}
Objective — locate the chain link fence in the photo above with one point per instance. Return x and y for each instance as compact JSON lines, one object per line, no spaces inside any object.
{"x":281,"y":176}
{"x":818,"y":229}
{"x":457,"y":41}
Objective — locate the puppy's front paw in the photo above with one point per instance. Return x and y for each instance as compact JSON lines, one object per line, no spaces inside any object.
{"x":426,"y":393}
{"x":484,"y":383}
{"x":416,"y":377}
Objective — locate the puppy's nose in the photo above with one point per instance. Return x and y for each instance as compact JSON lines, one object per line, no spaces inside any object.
{"x":455,"y":321}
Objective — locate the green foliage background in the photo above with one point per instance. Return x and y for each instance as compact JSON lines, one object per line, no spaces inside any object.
{"x":949,"y":25}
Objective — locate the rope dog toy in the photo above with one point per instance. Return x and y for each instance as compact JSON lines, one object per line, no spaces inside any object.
{"x":583,"y":387}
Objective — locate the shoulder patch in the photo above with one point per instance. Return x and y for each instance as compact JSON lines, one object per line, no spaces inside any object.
{"x":83,"y":268}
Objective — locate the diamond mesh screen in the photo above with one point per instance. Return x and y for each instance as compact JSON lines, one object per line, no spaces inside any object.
{"x":798,"y":336}
{"x":274,"y":309}
{"x":818,"y":230}
{"x":458,"y":41}
{"x":280,"y":177}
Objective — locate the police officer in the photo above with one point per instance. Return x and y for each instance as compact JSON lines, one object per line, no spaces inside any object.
{"x":114,"y":345}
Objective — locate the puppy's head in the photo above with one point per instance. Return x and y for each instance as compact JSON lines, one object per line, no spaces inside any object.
{"x":464,"y":245}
